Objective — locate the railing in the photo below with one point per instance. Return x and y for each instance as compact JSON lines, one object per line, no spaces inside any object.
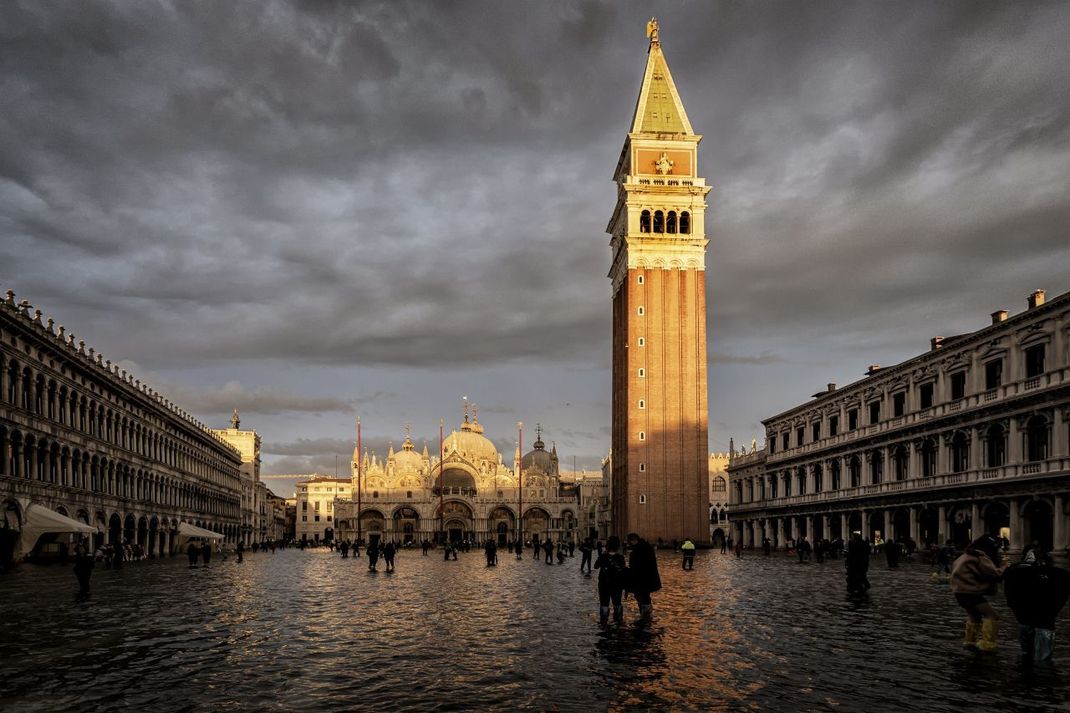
{"x":1030,"y":468}
{"x":1031,"y":383}
{"x":991,"y":395}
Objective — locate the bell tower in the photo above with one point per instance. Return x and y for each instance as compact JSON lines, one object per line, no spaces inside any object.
{"x":658,"y":242}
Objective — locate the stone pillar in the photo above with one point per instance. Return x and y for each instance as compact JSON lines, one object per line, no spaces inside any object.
{"x":845,"y":526}
{"x":913,"y":469}
{"x":976,"y":526}
{"x":941,"y":525}
{"x":795,"y":528}
{"x":915,"y":527}
{"x":976,"y":454}
{"x":1058,"y":440}
{"x":889,"y":525}
{"x":1058,"y":532}
{"x":810,"y":528}
{"x":1016,"y":525}
{"x":825,"y":527}
{"x":1014,"y":442}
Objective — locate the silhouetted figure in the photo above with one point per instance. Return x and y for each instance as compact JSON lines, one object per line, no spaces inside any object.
{"x":389,"y":550}
{"x":724,"y":545}
{"x":373,"y":557}
{"x":767,"y":546}
{"x":193,"y":552}
{"x":548,"y":548}
{"x":571,"y":548}
{"x":344,"y":547}
{"x":891,"y":553}
{"x":643,"y":577}
{"x":425,"y":546}
{"x":611,"y":578}
{"x":240,"y":549}
{"x":857,"y":564}
{"x":206,"y":553}
{"x":490,"y":551}
{"x":585,"y":555}
{"x":1036,"y":591}
{"x":83,"y":566}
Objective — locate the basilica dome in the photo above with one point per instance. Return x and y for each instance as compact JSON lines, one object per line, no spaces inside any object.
{"x":540,"y":459}
{"x":407,"y":459}
{"x":471,"y":444}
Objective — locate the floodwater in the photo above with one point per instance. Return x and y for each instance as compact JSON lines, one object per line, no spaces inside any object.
{"x":308,"y":631}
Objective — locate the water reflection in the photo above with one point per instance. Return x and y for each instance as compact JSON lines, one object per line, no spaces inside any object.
{"x":311,"y":631}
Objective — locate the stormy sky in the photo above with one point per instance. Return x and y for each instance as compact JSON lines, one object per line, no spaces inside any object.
{"x":315,"y":210}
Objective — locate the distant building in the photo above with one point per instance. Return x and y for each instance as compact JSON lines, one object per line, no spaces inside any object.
{"x":719,"y":501}
{"x":253,"y":491}
{"x":970,"y":437}
{"x":468,"y":493}
{"x":314,"y":501}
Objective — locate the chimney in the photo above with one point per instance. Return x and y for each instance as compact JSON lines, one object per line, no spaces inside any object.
{"x":935,"y":343}
{"x":998,"y":316}
{"x":873,"y":369}
{"x":1036,"y":299}
{"x":831,"y":388}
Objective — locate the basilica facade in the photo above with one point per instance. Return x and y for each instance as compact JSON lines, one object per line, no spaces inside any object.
{"x":464,"y":492}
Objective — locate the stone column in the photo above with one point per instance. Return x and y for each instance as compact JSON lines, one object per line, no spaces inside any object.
{"x":810,"y":528}
{"x":941,"y":525}
{"x":825,"y":527}
{"x":1058,"y":532}
{"x":889,"y":524}
{"x":795,"y":528}
{"x":976,"y":454}
{"x":1014,"y":442}
{"x":915,"y":527}
{"x":845,"y":526}
{"x":976,"y":526}
{"x":913,"y":471}
{"x":1058,"y":440}
{"x":1016,"y":525}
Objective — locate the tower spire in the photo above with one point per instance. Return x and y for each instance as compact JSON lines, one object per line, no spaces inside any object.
{"x":659,"y":109}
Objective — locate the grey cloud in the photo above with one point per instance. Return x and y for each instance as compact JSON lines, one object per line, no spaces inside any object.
{"x":261,"y":400}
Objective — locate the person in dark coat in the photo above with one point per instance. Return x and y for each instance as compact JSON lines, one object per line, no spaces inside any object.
{"x":193,"y":552}
{"x":389,"y":550}
{"x":490,"y":551}
{"x":585,"y":555}
{"x":612,"y":573}
{"x":240,"y":549}
{"x":206,"y":553}
{"x":767,"y":546}
{"x":643,"y":577}
{"x":1036,"y":591}
{"x":857,"y":564}
{"x":891,"y":553}
{"x":83,"y":566}
{"x":344,"y":547}
{"x":373,"y":557}
{"x":548,"y":548}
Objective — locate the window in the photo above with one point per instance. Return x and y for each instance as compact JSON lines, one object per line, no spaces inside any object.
{"x":671,"y":223}
{"x":642,"y":467}
{"x":317,"y":505}
{"x":642,"y":341}
{"x":993,"y":374}
{"x":784,"y":444}
{"x":800,"y":435}
{"x":642,"y":435}
{"x":642,"y":403}
{"x":642,"y":372}
{"x":874,"y":412}
{"x":408,"y":494}
{"x":641,"y":311}
{"x":1036,"y":439}
{"x":375,"y":493}
{"x":1034,"y":361}
{"x":328,"y":518}
{"x":928,"y":458}
{"x":816,"y":431}
{"x":960,"y":452}
{"x":685,"y":222}
{"x":925,"y":395}
{"x":641,"y":279}
{"x":772,"y":445}
{"x":852,"y":419}
{"x":304,"y":506}
{"x":644,"y":222}
{"x":304,"y":518}
{"x":958,"y":385}
{"x":995,"y":446}
{"x":317,"y":518}
{"x":642,"y":500}
{"x":659,"y":222}
{"x":876,"y":467}
{"x":899,"y":404}
{"x":834,"y":425}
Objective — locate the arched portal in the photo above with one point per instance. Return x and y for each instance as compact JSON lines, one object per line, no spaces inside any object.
{"x":1037,"y":523}
{"x":372,"y":525}
{"x":406,"y":523}
{"x":502,"y":522}
{"x":115,"y":529}
{"x":537,"y":522}
{"x":929,"y":526}
{"x":997,"y":520}
{"x":456,"y":481}
{"x":456,"y":518}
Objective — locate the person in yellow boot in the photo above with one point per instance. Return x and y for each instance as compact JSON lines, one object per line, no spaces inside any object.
{"x":974,"y":574}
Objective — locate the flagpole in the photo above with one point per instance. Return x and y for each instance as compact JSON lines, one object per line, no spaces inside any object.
{"x":441,"y":457}
{"x":520,"y":477}
{"x":359,"y":488}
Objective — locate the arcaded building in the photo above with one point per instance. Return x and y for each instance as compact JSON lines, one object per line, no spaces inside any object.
{"x":658,"y":245}
{"x":85,"y":439}
{"x":465,"y":492}
{"x":972,"y":436}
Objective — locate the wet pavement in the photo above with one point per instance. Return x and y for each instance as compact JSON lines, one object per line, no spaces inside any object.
{"x":305,"y":631}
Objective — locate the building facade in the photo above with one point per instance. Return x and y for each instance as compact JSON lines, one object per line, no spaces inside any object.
{"x":314,"y":514}
{"x":466,"y":492}
{"x":88,"y":440}
{"x":253,"y":491}
{"x":658,"y":245}
{"x":970,"y":437}
{"x":717,"y":469}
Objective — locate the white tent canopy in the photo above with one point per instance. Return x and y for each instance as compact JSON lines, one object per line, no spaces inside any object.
{"x":41,"y":520}
{"x":192,"y":532}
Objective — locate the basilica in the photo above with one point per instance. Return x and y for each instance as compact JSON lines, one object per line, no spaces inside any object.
{"x":464,"y":492}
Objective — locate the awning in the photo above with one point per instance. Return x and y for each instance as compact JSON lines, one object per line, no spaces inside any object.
{"x":192,"y":532}
{"x":41,"y":520}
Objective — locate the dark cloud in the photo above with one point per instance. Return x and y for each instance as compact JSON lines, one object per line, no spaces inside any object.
{"x":317,"y":185}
